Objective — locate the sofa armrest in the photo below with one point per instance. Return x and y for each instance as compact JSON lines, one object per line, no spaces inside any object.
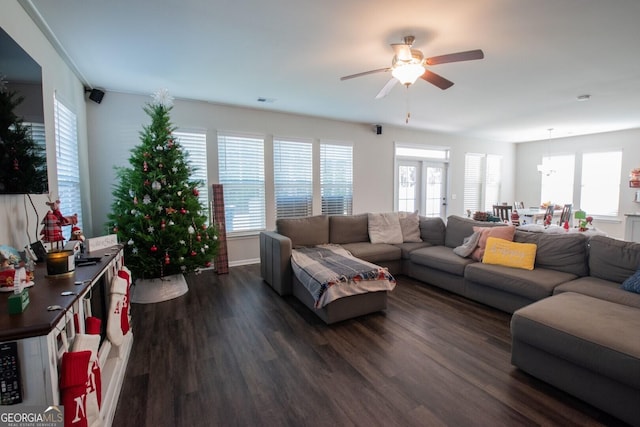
{"x":275,"y":261}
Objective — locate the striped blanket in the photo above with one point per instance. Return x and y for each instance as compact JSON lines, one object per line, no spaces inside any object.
{"x":330,"y":272}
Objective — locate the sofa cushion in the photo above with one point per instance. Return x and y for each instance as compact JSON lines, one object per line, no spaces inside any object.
{"x":533,"y":284}
{"x":432,"y":230}
{"x":374,"y":252}
{"x":441,"y":258}
{"x":348,"y":228}
{"x":305,"y":231}
{"x":561,"y":252}
{"x":612,"y":259}
{"x":505,"y":233}
{"x":458,"y":228}
{"x":409,"y":247}
{"x":384,"y":228}
{"x":597,"y":335}
{"x":410,"y":226}
{"x":600,"y":288}
{"x":509,"y":254}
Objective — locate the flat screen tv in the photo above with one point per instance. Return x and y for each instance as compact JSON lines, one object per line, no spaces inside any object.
{"x":23,"y":157}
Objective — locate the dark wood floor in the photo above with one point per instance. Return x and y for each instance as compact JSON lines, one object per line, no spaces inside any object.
{"x":233,"y":352}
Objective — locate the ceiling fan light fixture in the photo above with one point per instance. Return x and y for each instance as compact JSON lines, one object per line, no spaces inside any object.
{"x":407,"y":74}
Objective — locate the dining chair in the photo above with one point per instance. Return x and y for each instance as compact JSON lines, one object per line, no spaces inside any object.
{"x":503,"y":212}
{"x":518,"y":205}
{"x":565,"y":215}
{"x":548,"y":214}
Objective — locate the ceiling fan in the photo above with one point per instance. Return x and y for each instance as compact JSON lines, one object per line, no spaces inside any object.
{"x":410,"y":64}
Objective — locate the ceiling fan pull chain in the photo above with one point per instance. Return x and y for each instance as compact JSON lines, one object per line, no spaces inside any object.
{"x":408,"y":108}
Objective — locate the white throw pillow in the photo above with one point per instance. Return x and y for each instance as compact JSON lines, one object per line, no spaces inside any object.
{"x":410,"y":226}
{"x":384,"y":228}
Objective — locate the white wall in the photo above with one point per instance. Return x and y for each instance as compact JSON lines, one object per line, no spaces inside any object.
{"x":17,"y":218}
{"x":114,"y":128}
{"x":530,"y":154}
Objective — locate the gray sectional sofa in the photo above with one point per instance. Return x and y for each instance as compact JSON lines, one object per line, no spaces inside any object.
{"x":575,"y":278}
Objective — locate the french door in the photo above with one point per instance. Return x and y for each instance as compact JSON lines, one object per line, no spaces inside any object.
{"x":422,"y":186}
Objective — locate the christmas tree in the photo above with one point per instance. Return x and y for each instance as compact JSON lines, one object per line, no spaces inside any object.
{"x":22,"y":161}
{"x":156,"y":212}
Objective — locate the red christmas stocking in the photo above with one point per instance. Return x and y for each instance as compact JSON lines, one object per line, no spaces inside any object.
{"x":92,"y":325}
{"x":118,"y":292}
{"x":124,"y":324}
{"x":83,"y":342}
{"x":74,"y":373}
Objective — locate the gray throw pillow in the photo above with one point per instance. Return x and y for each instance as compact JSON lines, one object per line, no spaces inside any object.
{"x":468,"y":245}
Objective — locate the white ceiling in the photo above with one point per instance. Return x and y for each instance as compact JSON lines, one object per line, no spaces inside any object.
{"x":539,"y":56}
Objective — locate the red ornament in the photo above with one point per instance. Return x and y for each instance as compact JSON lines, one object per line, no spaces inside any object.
{"x":115,"y":229}
{"x":147,"y":182}
{"x":167,"y":260}
{"x":16,"y":166}
{"x":145,"y":166}
{"x":208,"y":264}
{"x":183,"y":211}
{"x":204,"y":226}
{"x":198,"y":237}
{"x":194,"y":253}
{"x":147,"y":216}
{"x":196,"y":192}
{"x":163,"y":224}
{"x":154,"y":248}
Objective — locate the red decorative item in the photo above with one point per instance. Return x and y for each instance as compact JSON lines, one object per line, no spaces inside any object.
{"x":167,"y":260}
{"x":163,"y":224}
{"x":194,"y":253}
{"x":135,"y":200}
{"x":183,"y":211}
{"x":566,"y":225}
{"x":196,"y":192}
{"x":16,"y":166}
{"x":145,"y":166}
{"x":154,"y":248}
{"x":147,"y":217}
{"x":198,"y":237}
{"x":147,"y":182}
{"x":115,"y":229}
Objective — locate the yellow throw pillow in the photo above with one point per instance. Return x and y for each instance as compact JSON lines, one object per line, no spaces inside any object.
{"x":510,"y":254}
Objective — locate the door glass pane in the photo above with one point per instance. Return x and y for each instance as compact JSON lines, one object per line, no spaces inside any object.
{"x":434,"y":195}
{"x":407,"y":189}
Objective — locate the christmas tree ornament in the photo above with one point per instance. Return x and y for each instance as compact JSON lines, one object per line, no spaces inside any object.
{"x":130,"y":242}
{"x":147,"y":182}
{"x":167,"y":260}
{"x":155,"y":185}
{"x":135,"y":200}
{"x":171,"y":222}
{"x":163,"y":224}
{"x":198,"y":237}
{"x":146,"y":199}
{"x":179,"y":193}
{"x":183,"y":211}
{"x":145,"y":166}
{"x":154,"y":248}
{"x":160,"y":165}
{"x":159,"y":147}
{"x":196,"y":192}
{"x":191,"y":230}
{"x":16,"y":166}
{"x":170,"y":211}
{"x":194,"y":253}
{"x":151,"y":229}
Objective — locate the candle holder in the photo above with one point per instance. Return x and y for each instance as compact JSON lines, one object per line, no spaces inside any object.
{"x":60,"y":263}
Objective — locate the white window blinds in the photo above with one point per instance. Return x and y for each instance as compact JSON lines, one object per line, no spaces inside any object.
{"x":336,"y":178}
{"x":473,"y":183}
{"x":241,"y":172}
{"x":66,"y":133}
{"x":293,"y":177}
{"x":195,"y":146}
{"x":600,"y":194}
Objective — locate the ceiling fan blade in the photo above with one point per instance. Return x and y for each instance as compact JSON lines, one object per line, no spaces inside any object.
{"x":364,"y":73}
{"x":437,"y":80}
{"x":402,"y":51}
{"x":387,"y":88}
{"x":456,"y":57}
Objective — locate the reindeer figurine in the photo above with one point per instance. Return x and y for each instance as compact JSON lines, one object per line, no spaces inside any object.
{"x":54,"y":221}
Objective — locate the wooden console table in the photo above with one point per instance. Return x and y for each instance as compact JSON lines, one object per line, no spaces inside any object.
{"x":42,"y":336}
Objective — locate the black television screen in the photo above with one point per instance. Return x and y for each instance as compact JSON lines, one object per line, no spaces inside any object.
{"x":23,"y":157}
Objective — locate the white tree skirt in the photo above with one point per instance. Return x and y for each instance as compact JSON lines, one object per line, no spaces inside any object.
{"x":149,"y":291}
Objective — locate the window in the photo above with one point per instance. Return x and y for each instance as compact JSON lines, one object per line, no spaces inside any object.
{"x":195,"y":145}
{"x":557,"y":179}
{"x":292,"y":174}
{"x":482,"y":181}
{"x":336,"y":178}
{"x":601,"y":183}
{"x":66,"y":133}
{"x":241,"y":172}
